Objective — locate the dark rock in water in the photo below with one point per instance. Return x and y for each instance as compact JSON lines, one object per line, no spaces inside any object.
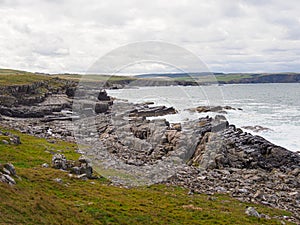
{"x":227,"y":107}
{"x":148,"y":103}
{"x":256,"y":128}
{"x":152,"y":111}
{"x":219,"y":109}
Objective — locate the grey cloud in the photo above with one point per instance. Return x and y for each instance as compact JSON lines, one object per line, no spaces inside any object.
{"x":49,"y":45}
{"x":70,"y":35}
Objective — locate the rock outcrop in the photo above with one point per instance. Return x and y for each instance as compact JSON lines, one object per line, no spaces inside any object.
{"x":81,"y":168}
{"x":7,"y":173}
{"x":146,"y":111}
{"x":233,"y":148}
{"x":218,"y":109}
{"x":9,"y":138}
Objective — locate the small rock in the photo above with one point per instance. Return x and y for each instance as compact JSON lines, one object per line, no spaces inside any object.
{"x":265,"y":216}
{"x":82,"y":176}
{"x":45,"y":165}
{"x":250,"y":211}
{"x":102,"y":96}
{"x":5,"y":142}
{"x":59,"y":161}
{"x":10,"y":167}
{"x":191,"y":192}
{"x":243,"y":190}
{"x":87,"y":170}
{"x":84,"y":159}
{"x":220,"y":189}
{"x":5,"y":178}
{"x":177,"y":126}
{"x":15,"y":140}
{"x":58,"y":180}
{"x":75,"y":170}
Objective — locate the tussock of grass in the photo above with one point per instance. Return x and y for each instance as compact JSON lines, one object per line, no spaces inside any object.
{"x":38,"y":199}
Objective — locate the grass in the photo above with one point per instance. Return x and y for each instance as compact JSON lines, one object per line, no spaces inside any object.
{"x":15,"y":77}
{"x":232,"y":77}
{"x":93,"y":78}
{"x":9,"y":77}
{"x":38,"y":199}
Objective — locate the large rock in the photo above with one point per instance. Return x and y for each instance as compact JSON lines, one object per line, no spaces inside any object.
{"x":227,"y":146}
{"x":7,"y":172}
{"x":250,"y":211}
{"x":152,"y":111}
{"x":219,"y":109}
{"x":5,"y":178}
{"x":101,"y":107}
{"x":10,"y":168}
{"x":59,"y":161}
{"x":80,"y":167}
{"x":102,"y":96}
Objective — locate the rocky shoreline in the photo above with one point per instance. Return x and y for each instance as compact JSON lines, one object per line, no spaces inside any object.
{"x":211,"y":155}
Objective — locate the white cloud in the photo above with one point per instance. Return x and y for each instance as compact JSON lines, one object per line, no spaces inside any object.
{"x":68,"y":36}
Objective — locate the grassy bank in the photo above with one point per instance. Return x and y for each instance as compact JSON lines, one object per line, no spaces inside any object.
{"x":38,"y":199}
{"x":17,"y":77}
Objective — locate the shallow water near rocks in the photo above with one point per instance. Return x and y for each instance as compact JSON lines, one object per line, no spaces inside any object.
{"x":273,"y":106}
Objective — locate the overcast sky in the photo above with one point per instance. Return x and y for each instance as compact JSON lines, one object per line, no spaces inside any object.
{"x":228,"y":36}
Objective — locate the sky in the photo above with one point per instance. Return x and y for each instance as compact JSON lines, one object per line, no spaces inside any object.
{"x":55,"y":36}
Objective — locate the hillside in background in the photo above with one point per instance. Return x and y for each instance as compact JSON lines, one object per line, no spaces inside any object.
{"x":16,"y":77}
{"x":228,"y":78}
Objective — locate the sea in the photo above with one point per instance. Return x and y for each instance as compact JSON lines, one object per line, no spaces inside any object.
{"x":274,"y":106}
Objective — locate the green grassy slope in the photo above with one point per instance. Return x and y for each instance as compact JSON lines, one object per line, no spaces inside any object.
{"x":38,"y":199}
{"x":16,"y":77}
{"x":94,"y":77}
